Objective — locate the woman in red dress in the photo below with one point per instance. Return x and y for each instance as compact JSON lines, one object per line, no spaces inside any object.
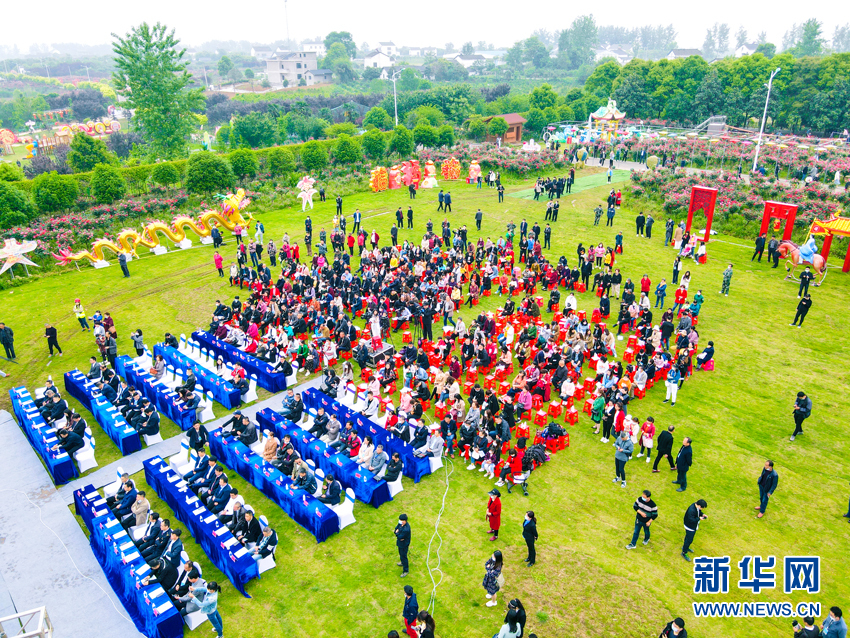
{"x":494,"y":513}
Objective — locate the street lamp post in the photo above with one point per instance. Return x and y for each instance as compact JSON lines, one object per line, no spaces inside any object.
{"x":395,"y":98}
{"x":87,"y":74}
{"x":764,"y":118}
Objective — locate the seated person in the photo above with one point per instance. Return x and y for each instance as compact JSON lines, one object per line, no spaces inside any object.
{"x":217,"y":500}
{"x":379,"y":459}
{"x":331,"y":491}
{"x":162,"y":572}
{"x":434,"y":445}
{"x":187,"y":604}
{"x":248,"y":530}
{"x":150,"y":424}
{"x":248,"y":435}
{"x":305,"y":481}
{"x":349,"y":441}
{"x":188,"y":385}
{"x":55,"y":410}
{"x":394,"y":468}
{"x":171,"y":340}
{"x":234,"y":503}
{"x":364,"y":454}
{"x":47,"y":397}
{"x":332,"y":432}
{"x":69,"y":442}
{"x":320,"y":423}
{"x":157,"y":543}
{"x":266,"y":545}
{"x":95,"y":371}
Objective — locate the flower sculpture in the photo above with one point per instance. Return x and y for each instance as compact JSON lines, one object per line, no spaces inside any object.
{"x":450,"y":169}
{"x":14,"y":253}
{"x":378,"y":179}
{"x":305,"y":185}
{"x":430,"y":180}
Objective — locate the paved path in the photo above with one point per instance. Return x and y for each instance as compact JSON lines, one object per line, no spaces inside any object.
{"x":582,"y":184}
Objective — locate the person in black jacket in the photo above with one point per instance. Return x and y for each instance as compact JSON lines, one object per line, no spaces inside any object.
{"x":767,"y":482}
{"x":759,"y":248}
{"x":693,"y":516}
{"x":402,"y":540}
{"x":802,"y":310}
{"x":646,"y":511}
{"x":410,"y":610}
{"x":249,"y":530}
{"x":394,"y":468}
{"x":69,"y":441}
{"x":197,"y":436}
{"x":529,"y":533}
{"x":330,"y":495}
{"x":164,"y":573}
{"x":664,"y":448}
{"x":674,"y":629}
{"x":684,"y":459}
{"x":802,"y":411}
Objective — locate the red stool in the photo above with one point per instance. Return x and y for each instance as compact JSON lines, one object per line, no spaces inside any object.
{"x":602,"y":326}
{"x":629,"y":355}
{"x":593,"y":362}
{"x":557,"y":316}
{"x":504,"y":386}
{"x":426,"y":405}
{"x":502,"y":374}
{"x":366,"y":374}
{"x":467,"y":387}
{"x":405,"y":326}
{"x":589,"y":384}
{"x":596,"y":317}
{"x":568,"y":403}
{"x":472,"y":376}
{"x":694,"y":321}
{"x":487,"y":293}
{"x":536,"y":402}
{"x":346,"y":355}
{"x":406,"y":337}
{"x":331,"y":362}
{"x":578,"y":395}
{"x":540,"y":418}
{"x":632,"y":341}
{"x":490,"y":382}
{"x":391,"y":389}
{"x":572,"y":416}
{"x":384,"y":402}
{"x":440,"y":410}
{"x":580,"y":287}
{"x":555,"y":409}
{"x":588,"y":406}
{"x":639,"y":394}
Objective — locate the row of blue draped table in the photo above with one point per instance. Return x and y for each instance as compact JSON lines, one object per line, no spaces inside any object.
{"x":363,"y":483}
{"x":225,"y":552}
{"x":415,"y":467}
{"x":41,"y":436}
{"x":149,"y":606}
{"x":266,"y":378}
{"x":313,"y":515}
{"x":110,"y":419}
{"x":160,"y":395}
{"x":222,"y":390}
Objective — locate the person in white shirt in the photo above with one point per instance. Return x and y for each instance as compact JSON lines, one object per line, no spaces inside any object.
{"x":372,"y":405}
{"x":227,"y":513}
{"x":367,"y":450}
{"x":571,"y":304}
{"x":568,"y":389}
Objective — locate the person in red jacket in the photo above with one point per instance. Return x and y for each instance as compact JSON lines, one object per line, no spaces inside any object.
{"x":681,"y":297}
{"x":350,"y":244}
{"x":512,"y":467}
{"x":645,"y":284}
{"x":494,"y":513}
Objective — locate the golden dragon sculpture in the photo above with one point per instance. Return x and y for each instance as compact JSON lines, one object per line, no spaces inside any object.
{"x":129,"y":240}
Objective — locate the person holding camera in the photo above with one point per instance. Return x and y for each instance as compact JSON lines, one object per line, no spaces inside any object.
{"x":809,"y":631}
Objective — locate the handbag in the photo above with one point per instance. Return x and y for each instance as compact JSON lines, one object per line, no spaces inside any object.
{"x":152,"y":371}
{"x":500,"y":580}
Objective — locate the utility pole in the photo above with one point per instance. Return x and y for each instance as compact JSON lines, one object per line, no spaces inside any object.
{"x":764,"y":117}
{"x":395,"y":97}
{"x":286,"y":19}
{"x":87,"y":74}
{"x":206,"y":82}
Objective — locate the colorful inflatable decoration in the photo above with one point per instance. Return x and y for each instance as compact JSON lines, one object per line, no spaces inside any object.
{"x":8,"y":137}
{"x":474,"y":171}
{"x":396,"y":177}
{"x":531,"y":146}
{"x":305,"y":185}
{"x":450,"y":169}
{"x":129,"y":240}
{"x":91,"y":128}
{"x":412,"y":173}
{"x":835,"y":227}
{"x":606,"y":120}
{"x":430,"y":179}
{"x":581,"y":154}
{"x":14,"y":253}
{"x":378,"y":179}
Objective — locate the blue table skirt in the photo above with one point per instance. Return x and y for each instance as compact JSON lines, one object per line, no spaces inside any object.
{"x":272,"y":381}
{"x":165,"y":400}
{"x":125,"y":437}
{"x":414,"y":467}
{"x":209,"y":533}
{"x":366,"y":487}
{"x":149,"y":606}
{"x":222,"y":391}
{"x":89,"y":504}
{"x":59,"y":465}
{"x":313,"y":515}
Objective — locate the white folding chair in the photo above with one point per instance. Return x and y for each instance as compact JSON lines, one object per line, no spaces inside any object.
{"x":182,"y":346}
{"x":85,"y":456}
{"x":251,"y":394}
{"x":260,"y":445}
{"x":181,"y":459}
{"x":436,"y":462}
{"x":396,"y":486}
{"x":151,"y":439}
{"x":345,"y":510}
{"x":137,"y":531}
{"x":207,"y":414}
{"x":205,"y":357}
{"x":320,"y":475}
{"x":195,"y":620}
{"x":113,"y":488}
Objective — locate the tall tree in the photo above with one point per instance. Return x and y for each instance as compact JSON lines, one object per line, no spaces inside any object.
{"x":841,"y":39}
{"x":151,"y":74}
{"x":709,"y":98}
{"x":224,"y":66}
{"x":344,"y":38}
{"x":576,"y":44}
{"x":536,"y":53}
{"x":740,"y":37}
{"x":811,"y":40}
{"x":467,"y":49}
{"x":632,"y":97}
{"x":338,"y":61}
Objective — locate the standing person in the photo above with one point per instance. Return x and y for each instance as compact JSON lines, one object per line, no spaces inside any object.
{"x":668,"y":231}
{"x":478,"y":216}
{"x":410,"y":611}
{"x":759,"y":251}
{"x":426,"y":625}
{"x":122,"y":261}
{"x":7,"y":338}
{"x":649,"y":222}
{"x":806,"y":278}
{"x":647,"y":436}
{"x":640,"y":223}
{"x":684,"y":460}
{"x":209,"y":607}
{"x":547,"y":236}
{"x":772,"y":253}
{"x":80,"y":314}
{"x":768,"y":481}
{"x":727,"y":280}
{"x":402,"y":541}
{"x":834,"y":626}
{"x":447,"y":201}
{"x":802,"y":310}
{"x":501,"y":190}
{"x":357,"y":217}
{"x":50,"y":335}
{"x":494,"y":513}
{"x":646,"y":511}
{"x":441,"y":200}
{"x":624,"y":448}
{"x":672,"y":383}
{"x":529,"y":533}
{"x":410,"y":213}
{"x":693,"y":515}
{"x":259,"y":229}
{"x":493,"y":578}
{"x":665,"y":448}
{"x":339,"y":204}
{"x":802,"y":411}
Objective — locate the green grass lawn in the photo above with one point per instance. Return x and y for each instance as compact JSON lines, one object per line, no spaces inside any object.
{"x":585,"y":583}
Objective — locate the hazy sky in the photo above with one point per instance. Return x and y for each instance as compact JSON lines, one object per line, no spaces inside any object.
{"x":411,"y":23}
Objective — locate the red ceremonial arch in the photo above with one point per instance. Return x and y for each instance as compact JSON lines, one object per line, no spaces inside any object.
{"x":704,"y":199}
{"x":779,"y":210}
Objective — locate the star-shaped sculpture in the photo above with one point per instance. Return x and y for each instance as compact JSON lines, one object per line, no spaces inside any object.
{"x":13,"y":253}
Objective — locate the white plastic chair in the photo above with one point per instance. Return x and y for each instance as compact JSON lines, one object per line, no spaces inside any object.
{"x":260,"y":445}
{"x":151,"y":439}
{"x":396,"y":486}
{"x":267,"y":563}
{"x":345,"y":510}
{"x":181,"y":459}
{"x":137,"y":531}
{"x":207,"y":414}
{"x":113,"y":488}
{"x":85,"y":456}
{"x":436,"y":462}
{"x":182,"y":346}
{"x":251,"y":394}
{"x":195,"y":620}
